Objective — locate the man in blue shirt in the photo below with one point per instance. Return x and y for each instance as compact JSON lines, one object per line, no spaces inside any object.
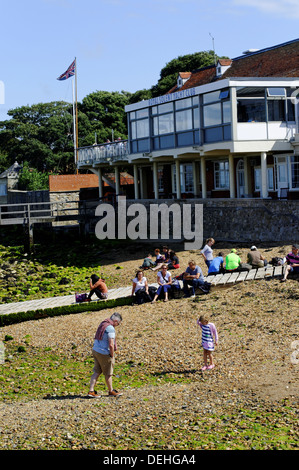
{"x":103,"y":352}
{"x":216,"y":266}
{"x":193,"y":276}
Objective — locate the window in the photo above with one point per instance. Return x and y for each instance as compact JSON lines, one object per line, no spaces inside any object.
{"x":212,"y":115}
{"x":258,"y":176}
{"x":186,"y":178}
{"x":183,"y":120}
{"x":221,"y":175}
{"x":163,"y":124}
{"x":295,"y":171}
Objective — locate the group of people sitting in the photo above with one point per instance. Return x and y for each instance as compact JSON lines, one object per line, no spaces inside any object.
{"x":193,"y":277}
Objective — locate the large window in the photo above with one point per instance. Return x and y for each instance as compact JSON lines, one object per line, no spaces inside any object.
{"x":221,"y":175}
{"x":258,"y":104}
{"x":217,"y":116}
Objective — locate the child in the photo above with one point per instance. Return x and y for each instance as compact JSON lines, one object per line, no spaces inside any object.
{"x":209,"y":335}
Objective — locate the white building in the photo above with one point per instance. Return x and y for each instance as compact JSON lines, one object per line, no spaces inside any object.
{"x":230,"y":130}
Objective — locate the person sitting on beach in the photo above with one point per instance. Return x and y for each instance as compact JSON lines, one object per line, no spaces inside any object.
{"x":216,"y":266}
{"x":193,"y":276}
{"x":255,"y":258}
{"x":173,"y":261}
{"x":98,"y":287}
{"x":140,"y":287}
{"x":292,"y":260}
{"x":147,"y":262}
{"x":160,"y":259}
{"x":164,"y":280}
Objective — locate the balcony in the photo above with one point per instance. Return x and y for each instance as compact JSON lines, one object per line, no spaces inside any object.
{"x":108,"y":153}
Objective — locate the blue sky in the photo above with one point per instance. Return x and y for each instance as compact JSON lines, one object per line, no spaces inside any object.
{"x":123,"y":45}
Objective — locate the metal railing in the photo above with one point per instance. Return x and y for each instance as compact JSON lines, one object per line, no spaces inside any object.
{"x":38,"y":211}
{"x":103,"y":153}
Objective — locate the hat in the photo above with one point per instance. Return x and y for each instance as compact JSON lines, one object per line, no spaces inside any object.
{"x":253,"y":248}
{"x":234,"y":250}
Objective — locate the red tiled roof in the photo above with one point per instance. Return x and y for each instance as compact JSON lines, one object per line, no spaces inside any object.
{"x":277,"y":61}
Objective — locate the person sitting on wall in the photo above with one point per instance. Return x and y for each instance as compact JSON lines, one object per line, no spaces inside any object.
{"x":164,"y":280}
{"x":140,"y":288}
{"x":216,"y":266}
{"x":193,"y":276}
{"x":98,"y":287}
{"x":161,"y":258}
{"x":292,"y":260}
{"x":255,"y":258}
{"x":233,"y":263}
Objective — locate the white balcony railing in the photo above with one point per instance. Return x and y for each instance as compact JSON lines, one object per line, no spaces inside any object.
{"x":102,"y":153}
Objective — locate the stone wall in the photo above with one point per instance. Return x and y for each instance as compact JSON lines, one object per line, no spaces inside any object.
{"x":238,"y":220}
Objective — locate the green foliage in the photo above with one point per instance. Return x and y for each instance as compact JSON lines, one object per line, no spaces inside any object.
{"x":20,"y":317}
{"x":32,"y":179}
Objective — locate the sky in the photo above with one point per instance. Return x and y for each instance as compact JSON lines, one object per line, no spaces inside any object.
{"x":123,"y":44}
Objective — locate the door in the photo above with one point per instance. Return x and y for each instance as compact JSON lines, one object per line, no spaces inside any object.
{"x":282,"y":176}
{"x":240,"y":179}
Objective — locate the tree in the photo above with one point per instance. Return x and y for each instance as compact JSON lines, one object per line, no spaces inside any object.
{"x":186,"y":63}
{"x":32,"y":180}
{"x":105,"y":113}
{"x":40,"y":135}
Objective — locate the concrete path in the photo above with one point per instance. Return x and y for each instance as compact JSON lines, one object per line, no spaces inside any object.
{"x":220,"y":280}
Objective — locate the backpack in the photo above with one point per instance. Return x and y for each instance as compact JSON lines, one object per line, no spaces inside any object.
{"x":203,"y":288}
{"x":80,"y":297}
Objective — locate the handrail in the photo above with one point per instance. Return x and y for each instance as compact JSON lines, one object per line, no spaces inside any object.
{"x":102,"y":153}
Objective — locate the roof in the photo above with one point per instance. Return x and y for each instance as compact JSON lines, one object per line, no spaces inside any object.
{"x":276,"y":61}
{"x":12,"y":171}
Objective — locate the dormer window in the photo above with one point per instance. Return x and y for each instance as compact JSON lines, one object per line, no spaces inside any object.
{"x":222,"y":66}
{"x":182,"y":78}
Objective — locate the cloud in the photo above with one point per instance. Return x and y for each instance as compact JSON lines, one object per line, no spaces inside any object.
{"x":286,"y":8}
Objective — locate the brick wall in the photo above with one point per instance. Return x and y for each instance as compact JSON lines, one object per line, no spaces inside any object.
{"x":72,"y":182}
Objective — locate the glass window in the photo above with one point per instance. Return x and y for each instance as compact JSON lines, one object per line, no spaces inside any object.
{"x":186,"y":103}
{"x":142,"y":128}
{"x":221,"y":174}
{"x":196,"y":118}
{"x":226,"y":111}
{"x":251,"y":110}
{"x":165,"y":123}
{"x":165,"y":108}
{"x":141,"y":113}
{"x":276,"y":110}
{"x":133,"y":130}
{"x":183,"y":120}
{"x":251,"y":92}
{"x":212,"y":114}
{"x":276,"y":92}
{"x":209,"y":97}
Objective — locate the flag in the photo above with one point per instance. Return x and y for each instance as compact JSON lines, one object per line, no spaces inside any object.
{"x":69,"y":72}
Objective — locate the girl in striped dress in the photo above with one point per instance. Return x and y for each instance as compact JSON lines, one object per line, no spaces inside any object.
{"x":209,"y":341}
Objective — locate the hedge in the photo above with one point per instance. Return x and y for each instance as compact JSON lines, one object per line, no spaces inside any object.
{"x":20,"y":317}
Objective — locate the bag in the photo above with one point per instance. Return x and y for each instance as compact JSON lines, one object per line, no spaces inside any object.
{"x":152,"y":290}
{"x":176,"y":291}
{"x":276,"y":261}
{"x":142,"y":297}
{"x":203,"y":288}
{"x":80,"y":297}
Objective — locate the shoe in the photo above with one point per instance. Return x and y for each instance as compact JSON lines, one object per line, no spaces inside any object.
{"x":282,"y":280}
{"x":204,"y":368}
{"x":193,"y":296}
{"x":211,"y":366}
{"x":114,"y":393}
{"x":93,"y":394}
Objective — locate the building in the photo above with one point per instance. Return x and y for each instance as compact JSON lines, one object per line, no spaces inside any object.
{"x":229,"y":130}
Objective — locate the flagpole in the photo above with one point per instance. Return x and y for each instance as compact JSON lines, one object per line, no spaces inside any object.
{"x":76,"y":151}
{"x":74,"y":124}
